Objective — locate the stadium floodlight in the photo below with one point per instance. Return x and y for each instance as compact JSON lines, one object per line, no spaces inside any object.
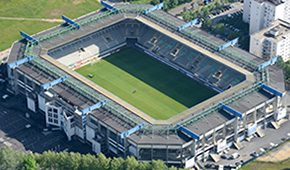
{"x":274,"y":60}
{"x":69,"y":21}
{"x":91,"y":108}
{"x":22,"y":61}
{"x":188,"y":24}
{"x":271,"y":90}
{"x":154,"y":8}
{"x":28,"y":37}
{"x":131,"y":131}
{"x":106,"y":5}
{"x":55,"y":82}
{"x":230,"y":110}
{"x":233,"y":42}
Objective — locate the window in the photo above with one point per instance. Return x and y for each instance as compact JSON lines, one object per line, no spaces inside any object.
{"x":55,"y":110}
{"x":55,"y":121}
{"x":55,"y":115}
{"x":49,"y":114}
{"x":50,"y":120}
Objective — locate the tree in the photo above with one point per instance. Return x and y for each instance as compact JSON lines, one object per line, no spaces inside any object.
{"x":30,"y":164}
{"x":158,"y":165}
{"x":174,"y":3}
{"x":155,"y":2}
{"x":217,"y":4}
{"x":233,"y":35}
{"x":102,"y":162}
{"x":184,"y":9}
{"x":219,"y":28}
{"x":9,"y":159}
{"x":144,"y":166}
{"x":117,"y":163}
{"x":172,"y":168}
{"x":130,"y":163}
{"x":206,"y":24}
{"x":192,"y":5}
{"x":199,"y":2}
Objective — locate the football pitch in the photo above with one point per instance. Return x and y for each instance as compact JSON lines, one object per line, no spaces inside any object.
{"x":146,"y":83}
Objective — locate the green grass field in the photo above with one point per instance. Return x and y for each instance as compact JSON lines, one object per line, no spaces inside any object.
{"x":258,"y":165}
{"x":9,"y":29}
{"x":161,"y":91}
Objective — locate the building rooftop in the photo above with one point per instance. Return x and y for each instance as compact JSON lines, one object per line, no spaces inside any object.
{"x":276,"y":32}
{"x":272,"y":2}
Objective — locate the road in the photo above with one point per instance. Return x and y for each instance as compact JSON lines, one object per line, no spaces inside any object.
{"x":178,"y":9}
{"x":237,"y":7}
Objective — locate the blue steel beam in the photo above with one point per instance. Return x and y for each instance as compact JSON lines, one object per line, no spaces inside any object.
{"x":69,"y":21}
{"x":187,"y":24}
{"x":131,"y":131}
{"x":234,"y":41}
{"x":274,"y":60}
{"x":91,"y":108}
{"x":109,"y":7}
{"x":230,"y":110}
{"x":154,"y":8}
{"x":193,"y":135}
{"x":29,"y":38}
{"x":271,"y":90}
{"x":55,"y":82}
{"x":16,"y":63}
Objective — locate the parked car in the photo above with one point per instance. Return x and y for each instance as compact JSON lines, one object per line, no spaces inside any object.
{"x":224,"y":156}
{"x":235,"y":155}
{"x":255,"y":154}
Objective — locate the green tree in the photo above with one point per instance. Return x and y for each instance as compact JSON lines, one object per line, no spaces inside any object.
{"x":184,"y":9}
{"x":219,"y":28}
{"x":172,"y":168}
{"x":233,"y":35}
{"x":206,"y":24}
{"x":117,"y":163}
{"x":218,"y":4}
{"x":155,"y":2}
{"x":211,"y":7}
{"x":9,"y":159}
{"x":174,"y":3}
{"x":281,"y":62}
{"x":144,"y":166}
{"x":199,"y":2}
{"x":102,"y":163}
{"x":158,"y":165}
{"x":130,"y":163}
{"x":186,"y":16}
{"x":192,"y":5}
{"x":30,"y":164}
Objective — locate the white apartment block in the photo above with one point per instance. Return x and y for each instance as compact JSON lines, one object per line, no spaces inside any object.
{"x":260,"y":13}
{"x":272,"y":41}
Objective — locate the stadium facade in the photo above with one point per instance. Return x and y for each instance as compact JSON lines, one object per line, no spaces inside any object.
{"x":250,"y":90}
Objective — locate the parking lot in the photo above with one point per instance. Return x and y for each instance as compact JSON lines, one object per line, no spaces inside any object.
{"x":272,"y":137}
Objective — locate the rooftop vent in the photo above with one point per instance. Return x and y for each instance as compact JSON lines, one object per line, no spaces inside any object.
{"x":274,"y":32}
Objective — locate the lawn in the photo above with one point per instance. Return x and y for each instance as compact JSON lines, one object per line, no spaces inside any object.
{"x":147,"y":84}
{"x":47,"y":8}
{"x":9,"y":29}
{"x":257,"y":165}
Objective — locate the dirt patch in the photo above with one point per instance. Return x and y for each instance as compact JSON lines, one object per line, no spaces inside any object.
{"x":277,"y":155}
{"x":4,"y":54}
{"x":75,"y":2}
{"x":55,"y":12}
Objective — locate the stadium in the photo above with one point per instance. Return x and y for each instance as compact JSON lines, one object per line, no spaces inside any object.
{"x":133,"y":80}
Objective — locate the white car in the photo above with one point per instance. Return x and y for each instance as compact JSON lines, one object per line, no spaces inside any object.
{"x":5,"y":96}
{"x":28,"y":126}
